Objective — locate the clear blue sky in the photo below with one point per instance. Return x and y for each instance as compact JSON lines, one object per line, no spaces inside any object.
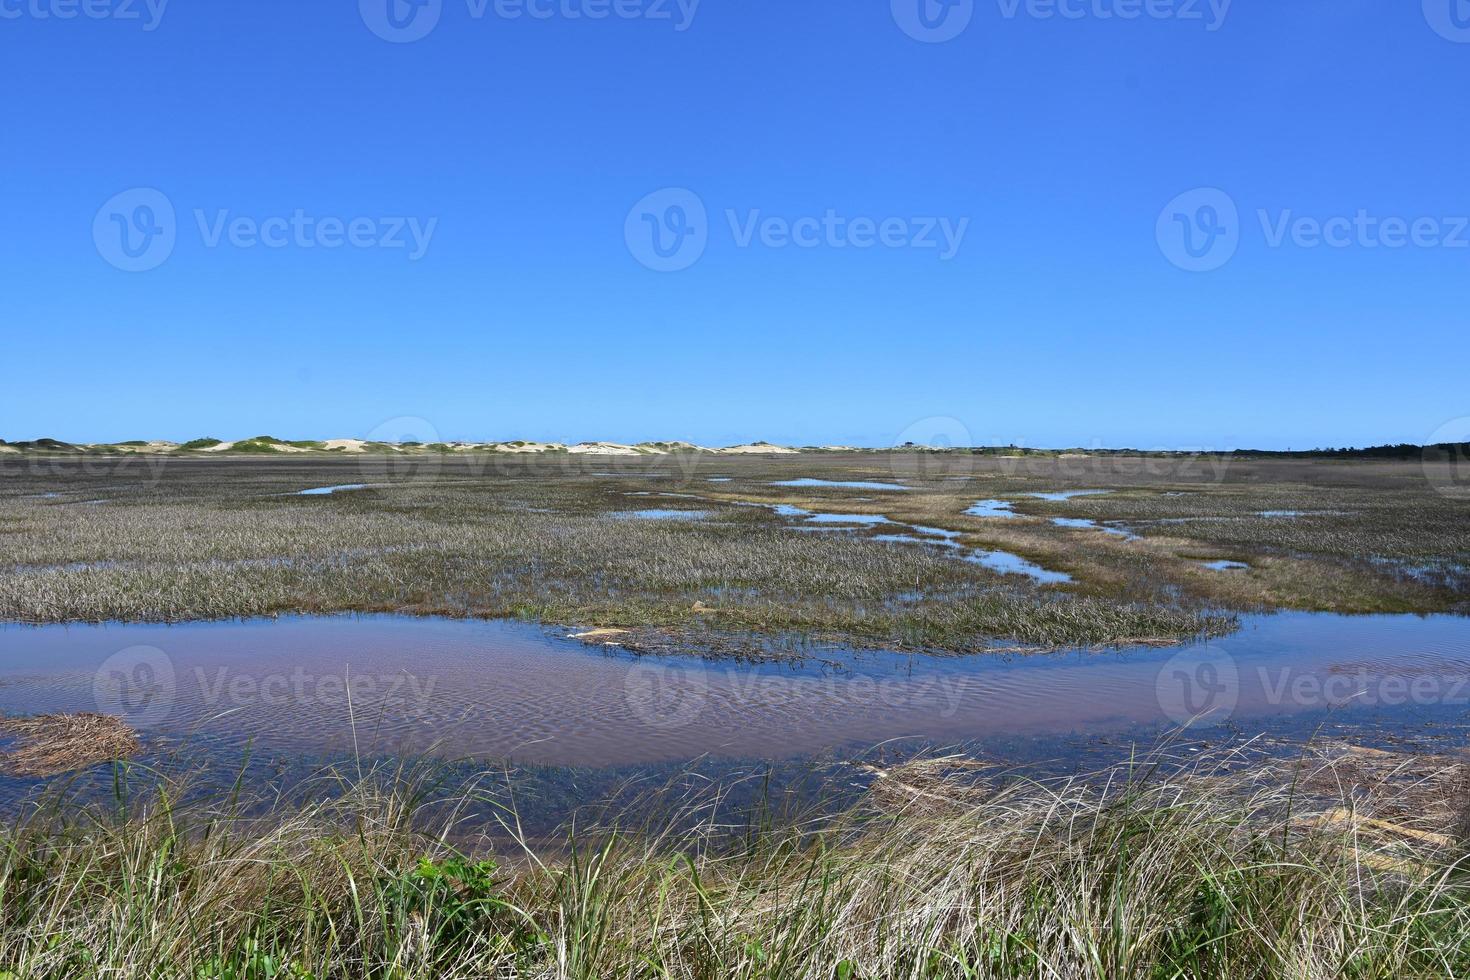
{"x":1059,"y":320}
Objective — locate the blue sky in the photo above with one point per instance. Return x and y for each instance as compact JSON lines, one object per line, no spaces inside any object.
{"x":1064,"y":154}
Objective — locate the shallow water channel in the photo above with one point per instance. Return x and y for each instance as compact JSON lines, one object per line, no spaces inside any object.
{"x":397,"y":685}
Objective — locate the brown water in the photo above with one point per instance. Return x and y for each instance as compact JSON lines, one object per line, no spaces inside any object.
{"x":495,"y":690}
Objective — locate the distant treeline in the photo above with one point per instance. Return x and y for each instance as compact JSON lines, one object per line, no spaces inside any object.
{"x":1403,"y":450}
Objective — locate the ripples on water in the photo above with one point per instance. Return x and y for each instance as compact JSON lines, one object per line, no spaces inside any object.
{"x":495,"y":690}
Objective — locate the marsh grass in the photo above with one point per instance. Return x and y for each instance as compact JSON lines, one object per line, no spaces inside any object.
{"x":535,"y":548}
{"x":47,"y":745}
{"x":1336,"y":864}
{"x":183,"y":539}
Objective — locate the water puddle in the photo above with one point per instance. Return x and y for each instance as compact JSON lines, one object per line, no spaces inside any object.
{"x":991,"y":508}
{"x":998,"y":561}
{"x":1225,"y":565}
{"x":1060,"y":495}
{"x":1083,"y":523}
{"x":936,"y":532}
{"x":306,"y":686}
{"x":660,"y":514}
{"x":1009,"y":564}
{"x":1003,"y":562}
{"x":1444,"y":574}
{"x":861,"y":519}
{"x":637,"y":476}
{"x":323,"y":491}
{"x":854,"y":484}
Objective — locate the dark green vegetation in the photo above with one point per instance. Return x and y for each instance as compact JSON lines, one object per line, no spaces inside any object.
{"x":940,"y":870}
{"x":536,"y":537}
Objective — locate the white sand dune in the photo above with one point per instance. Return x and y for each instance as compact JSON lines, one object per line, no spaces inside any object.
{"x":672,"y":446}
{"x":758,"y":447}
{"x":603,"y":449}
{"x":525,"y":447}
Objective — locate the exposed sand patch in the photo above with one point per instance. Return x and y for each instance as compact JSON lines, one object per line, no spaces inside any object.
{"x":603,"y":449}
{"x":347,"y":445}
{"x":758,"y":447}
{"x":525,"y":447}
{"x":156,"y":446}
{"x":601,"y":633}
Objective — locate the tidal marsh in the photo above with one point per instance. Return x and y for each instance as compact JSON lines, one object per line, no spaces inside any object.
{"x":537,"y":539}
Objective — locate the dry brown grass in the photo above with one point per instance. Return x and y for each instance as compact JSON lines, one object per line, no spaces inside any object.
{"x":48,"y":745}
{"x":1300,"y":867}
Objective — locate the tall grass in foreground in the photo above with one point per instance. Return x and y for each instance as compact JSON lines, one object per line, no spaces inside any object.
{"x":936,"y":873}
